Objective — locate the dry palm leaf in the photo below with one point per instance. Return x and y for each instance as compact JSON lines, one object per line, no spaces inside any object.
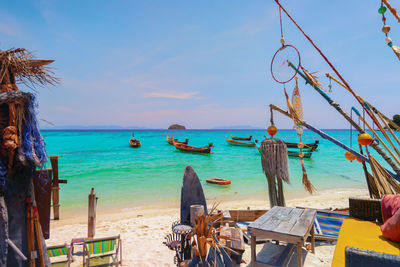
{"x":313,"y":79}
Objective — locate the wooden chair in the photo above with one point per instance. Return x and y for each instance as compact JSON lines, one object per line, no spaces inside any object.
{"x":60,"y":255}
{"x":99,"y":251}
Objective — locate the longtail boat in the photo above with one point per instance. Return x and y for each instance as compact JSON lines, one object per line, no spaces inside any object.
{"x":218,"y":181}
{"x":307,"y":155}
{"x":194,"y":149}
{"x":240,"y":138}
{"x":311,"y":146}
{"x":237,"y":143}
{"x":171,"y":139}
{"x":135,"y":143}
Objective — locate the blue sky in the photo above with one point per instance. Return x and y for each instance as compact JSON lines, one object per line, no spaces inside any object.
{"x":199,"y":63}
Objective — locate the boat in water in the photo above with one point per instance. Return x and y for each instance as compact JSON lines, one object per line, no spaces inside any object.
{"x":240,"y":138}
{"x":307,"y":155}
{"x":293,"y":154}
{"x":134,"y":142}
{"x":310,"y":146}
{"x":218,"y":181}
{"x":186,"y":148}
{"x":171,"y":139}
{"x":238,"y":143}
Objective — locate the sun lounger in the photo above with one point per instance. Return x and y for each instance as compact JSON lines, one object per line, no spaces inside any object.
{"x":60,"y":255}
{"x":105,"y":251}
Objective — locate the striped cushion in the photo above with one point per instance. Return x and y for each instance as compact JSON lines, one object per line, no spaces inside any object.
{"x":327,"y":223}
{"x":103,"y":246}
{"x":55,"y":252}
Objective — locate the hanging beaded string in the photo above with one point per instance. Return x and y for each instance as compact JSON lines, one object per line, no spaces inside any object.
{"x":280,"y":21}
{"x":386,"y":29}
{"x":330,"y":85}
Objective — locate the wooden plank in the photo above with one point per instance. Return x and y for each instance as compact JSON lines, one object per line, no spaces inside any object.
{"x":246,"y":215}
{"x":280,"y":260}
{"x":92,"y":214}
{"x":286,"y":226}
{"x":304,"y":224}
{"x":273,"y":236}
{"x":264,"y":218}
{"x":55,"y":188}
{"x":42,"y":190}
{"x":60,"y":181}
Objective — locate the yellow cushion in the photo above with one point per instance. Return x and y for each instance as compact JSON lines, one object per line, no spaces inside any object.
{"x":361,"y":234}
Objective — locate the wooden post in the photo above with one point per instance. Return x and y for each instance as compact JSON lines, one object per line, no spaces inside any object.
{"x":92,"y":214}
{"x":55,"y":189}
{"x":195,"y":211}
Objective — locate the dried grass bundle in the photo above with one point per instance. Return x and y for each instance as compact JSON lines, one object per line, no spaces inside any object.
{"x":27,"y":70}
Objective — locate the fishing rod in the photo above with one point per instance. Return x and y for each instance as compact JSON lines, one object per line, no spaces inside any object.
{"x":331,"y":65}
{"x":334,"y":104}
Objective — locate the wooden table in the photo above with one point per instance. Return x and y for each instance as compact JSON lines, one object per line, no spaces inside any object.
{"x":291,"y":225}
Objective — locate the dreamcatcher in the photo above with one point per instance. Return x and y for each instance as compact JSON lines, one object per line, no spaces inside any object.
{"x":283,"y":73}
{"x":386,"y":28}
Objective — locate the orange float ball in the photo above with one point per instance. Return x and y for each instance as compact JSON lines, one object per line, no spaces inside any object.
{"x":300,"y":145}
{"x":349,"y":156}
{"x":365,"y":139}
{"x":301,"y":155}
{"x":359,"y":160}
{"x":272,"y":130}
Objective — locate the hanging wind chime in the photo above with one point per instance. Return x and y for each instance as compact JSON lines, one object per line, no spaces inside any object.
{"x":386,"y":28}
{"x":283,"y":74}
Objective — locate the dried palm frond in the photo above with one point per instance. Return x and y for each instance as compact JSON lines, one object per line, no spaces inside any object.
{"x":25,"y":69}
{"x":312,"y":78}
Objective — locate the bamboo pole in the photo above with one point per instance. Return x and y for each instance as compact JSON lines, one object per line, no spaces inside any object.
{"x":365,"y":173}
{"x":377,"y":136}
{"x":383,"y":131}
{"x":374,"y":144}
{"x":390,"y":129}
{"x":38,"y":236}
{"x":394,"y":125}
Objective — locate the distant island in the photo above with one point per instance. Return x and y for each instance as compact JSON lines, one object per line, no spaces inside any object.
{"x":176,"y":127}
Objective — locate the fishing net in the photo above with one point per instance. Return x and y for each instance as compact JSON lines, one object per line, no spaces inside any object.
{"x":280,"y":69}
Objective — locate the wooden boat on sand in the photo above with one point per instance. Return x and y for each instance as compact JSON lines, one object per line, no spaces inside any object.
{"x":237,"y":143}
{"x":218,"y":181}
{"x":171,"y":139}
{"x":134,"y":143}
{"x":194,"y":149}
{"x":240,"y":138}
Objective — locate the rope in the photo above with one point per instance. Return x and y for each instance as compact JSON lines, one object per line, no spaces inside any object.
{"x":280,"y":20}
{"x":327,"y":61}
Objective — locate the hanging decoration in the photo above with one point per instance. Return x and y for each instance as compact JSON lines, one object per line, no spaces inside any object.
{"x":282,"y":73}
{"x":365,"y":139}
{"x":386,"y":28}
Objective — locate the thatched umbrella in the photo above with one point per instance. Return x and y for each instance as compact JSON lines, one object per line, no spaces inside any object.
{"x":274,"y":161}
{"x":22,"y":150}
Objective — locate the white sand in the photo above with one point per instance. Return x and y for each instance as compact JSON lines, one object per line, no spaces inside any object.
{"x":143,"y":229}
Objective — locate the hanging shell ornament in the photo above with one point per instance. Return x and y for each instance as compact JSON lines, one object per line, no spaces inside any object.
{"x":395,"y":49}
{"x":386,"y":29}
{"x":382,"y":10}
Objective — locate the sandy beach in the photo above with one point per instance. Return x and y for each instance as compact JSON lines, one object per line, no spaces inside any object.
{"x":143,"y":229}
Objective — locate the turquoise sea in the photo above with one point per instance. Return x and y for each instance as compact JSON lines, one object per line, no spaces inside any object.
{"x":152,"y":174}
